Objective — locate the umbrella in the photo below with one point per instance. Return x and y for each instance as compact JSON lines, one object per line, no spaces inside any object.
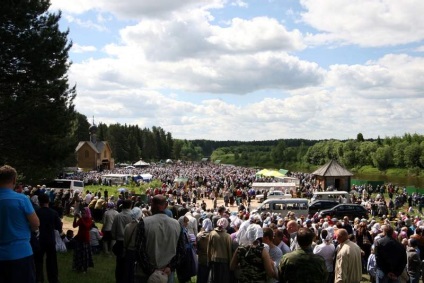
{"x":122,"y":190}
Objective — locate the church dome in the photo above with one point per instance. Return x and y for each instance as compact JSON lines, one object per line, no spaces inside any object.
{"x":92,"y":129}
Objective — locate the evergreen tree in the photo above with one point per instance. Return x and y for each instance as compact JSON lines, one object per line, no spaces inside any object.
{"x":36,"y":102}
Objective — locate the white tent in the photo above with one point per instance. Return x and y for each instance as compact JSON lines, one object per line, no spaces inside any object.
{"x":141,"y":163}
{"x":146,"y":177}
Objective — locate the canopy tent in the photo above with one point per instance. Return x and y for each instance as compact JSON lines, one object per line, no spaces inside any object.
{"x":283,"y":171}
{"x":269,"y":173}
{"x":141,"y":163}
{"x":145,"y":177}
{"x":262,"y":172}
{"x":273,"y":173}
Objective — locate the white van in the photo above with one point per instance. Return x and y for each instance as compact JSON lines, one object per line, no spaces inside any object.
{"x":297,"y":205}
{"x":67,"y":184}
{"x":272,"y":195}
{"x":330,"y":195}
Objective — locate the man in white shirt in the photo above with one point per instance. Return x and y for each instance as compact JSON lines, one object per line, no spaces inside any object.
{"x":159,"y":241}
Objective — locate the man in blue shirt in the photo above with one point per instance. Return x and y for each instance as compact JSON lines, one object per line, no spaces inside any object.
{"x":17,"y":219}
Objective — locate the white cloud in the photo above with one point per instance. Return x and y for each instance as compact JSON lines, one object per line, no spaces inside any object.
{"x":315,"y":114}
{"x":74,"y":6}
{"x":135,"y":9}
{"x":240,"y":3}
{"x":192,"y":35}
{"x":85,"y":24}
{"x":175,"y":50}
{"x":220,"y":74}
{"x":76,"y":48}
{"x":392,"y":76}
{"x":419,"y":49}
{"x":370,"y":23}
{"x":261,"y":33}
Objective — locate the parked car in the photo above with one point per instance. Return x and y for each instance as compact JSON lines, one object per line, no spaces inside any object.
{"x":350,"y":210}
{"x":272,"y":195}
{"x":319,"y":205}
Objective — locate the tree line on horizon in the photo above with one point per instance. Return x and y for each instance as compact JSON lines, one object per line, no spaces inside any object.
{"x":40,"y":128}
{"x":406,"y":152}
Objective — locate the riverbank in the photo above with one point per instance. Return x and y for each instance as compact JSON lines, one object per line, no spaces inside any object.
{"x":390,"y":172}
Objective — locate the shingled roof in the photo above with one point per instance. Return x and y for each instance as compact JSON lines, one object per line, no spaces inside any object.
{"x":332,"y":169}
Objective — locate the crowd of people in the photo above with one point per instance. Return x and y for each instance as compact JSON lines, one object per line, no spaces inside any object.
{"x":173,"y":234}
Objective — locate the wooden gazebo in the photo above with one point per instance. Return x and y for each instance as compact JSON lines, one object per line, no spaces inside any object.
{"x":332,"y":174}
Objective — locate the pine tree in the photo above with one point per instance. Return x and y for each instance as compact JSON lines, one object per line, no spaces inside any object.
{"x":36,"y":102}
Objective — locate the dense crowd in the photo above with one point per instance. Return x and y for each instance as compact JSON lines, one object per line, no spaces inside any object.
{"x":173,"y":234}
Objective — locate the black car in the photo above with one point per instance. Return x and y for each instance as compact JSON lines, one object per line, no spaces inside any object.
{"x":350,"y":210}
{"x":319,"y":205}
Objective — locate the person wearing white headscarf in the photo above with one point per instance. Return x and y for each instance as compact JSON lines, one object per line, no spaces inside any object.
{"x":188,"y":266}
{"x":327,"y":251}
{"x":253,"y":260}
{"x":202,"y":251}
{"x":219,"y":253}
{"x":130,"y":232}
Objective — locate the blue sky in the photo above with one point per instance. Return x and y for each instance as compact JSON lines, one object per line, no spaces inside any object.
{"x":250,"y":70}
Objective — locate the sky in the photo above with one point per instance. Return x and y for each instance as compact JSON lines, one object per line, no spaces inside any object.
{"x":249,"y":70}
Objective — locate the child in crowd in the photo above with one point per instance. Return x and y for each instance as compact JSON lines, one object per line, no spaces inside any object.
{"x":372,"y":265}
{"x":69,"y":240}
{"x":95,"y":238}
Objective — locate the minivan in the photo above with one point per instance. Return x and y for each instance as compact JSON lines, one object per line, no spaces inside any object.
{"x":297,"y":205}
{"x":67,"y":184}
{"x":329,"y":195}
{"x":272,"y":195}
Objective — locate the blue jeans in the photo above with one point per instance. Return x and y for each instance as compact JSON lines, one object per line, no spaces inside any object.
{"x":384,"y":278}
{"x":414,"y":279}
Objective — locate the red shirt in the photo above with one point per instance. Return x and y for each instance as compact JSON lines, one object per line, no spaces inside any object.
{"x":84,"y":226}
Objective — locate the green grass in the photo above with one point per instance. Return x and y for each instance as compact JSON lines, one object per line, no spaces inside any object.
{"x":103,"y":271}
{"x":369,"y":170}
{"x":113,"y":190}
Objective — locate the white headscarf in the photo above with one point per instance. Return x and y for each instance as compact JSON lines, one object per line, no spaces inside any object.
{"x":136,"y":213}
{"x":207,"y":225}
{"x":254,"y":232}
{"x":222,"y":223}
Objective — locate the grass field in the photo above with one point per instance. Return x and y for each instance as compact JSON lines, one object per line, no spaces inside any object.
{"x":103,"y":271}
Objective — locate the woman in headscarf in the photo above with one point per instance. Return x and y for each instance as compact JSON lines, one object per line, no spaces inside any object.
{"x":83,"y":258}
{"x":253,"y":260}
{"x":327,"y":251}
{"x":188,"y":265}
{"x":202,"y":251}
{"x":130,"y":232}
{"x":364,"y":240}
{"x":219,"y":253}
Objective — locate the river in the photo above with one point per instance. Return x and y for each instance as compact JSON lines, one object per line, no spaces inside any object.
{"x":401,"y":181}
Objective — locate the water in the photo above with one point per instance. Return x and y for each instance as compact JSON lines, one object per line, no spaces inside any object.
{"x":401,"y":181}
